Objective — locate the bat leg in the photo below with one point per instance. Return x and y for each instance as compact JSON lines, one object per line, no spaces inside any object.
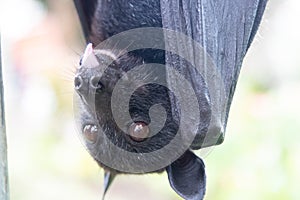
{"x":187,"y":176}
{"x":108,"y":179}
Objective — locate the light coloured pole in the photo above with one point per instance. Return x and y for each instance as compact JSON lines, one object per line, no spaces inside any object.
{"x":4,"y":189}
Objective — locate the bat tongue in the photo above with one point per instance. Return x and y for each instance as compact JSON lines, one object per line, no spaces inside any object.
{"x":108,"y":179}
{"x":187,"y":176}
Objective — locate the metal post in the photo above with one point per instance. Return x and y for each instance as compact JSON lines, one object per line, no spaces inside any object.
{"x":4,"y":189}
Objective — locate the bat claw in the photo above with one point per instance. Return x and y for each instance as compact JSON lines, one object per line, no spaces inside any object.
{"x":108,"y":179}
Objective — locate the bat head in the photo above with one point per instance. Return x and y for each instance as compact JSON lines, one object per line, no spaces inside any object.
{"x":95,"y":83}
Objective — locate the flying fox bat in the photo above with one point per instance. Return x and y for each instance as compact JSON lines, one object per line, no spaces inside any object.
{"x":201,"y":44}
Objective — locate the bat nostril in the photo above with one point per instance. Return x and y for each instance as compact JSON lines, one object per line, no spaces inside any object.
{"x":78,"y":82}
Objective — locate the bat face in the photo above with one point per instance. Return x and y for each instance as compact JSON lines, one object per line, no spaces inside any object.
{"x":94,"y":90}
{"x":128,"y":123}
{"x":95,"y":82}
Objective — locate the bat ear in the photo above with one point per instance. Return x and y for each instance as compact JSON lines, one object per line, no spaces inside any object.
{"x":89,"y":59}
{"x":187,"y":176}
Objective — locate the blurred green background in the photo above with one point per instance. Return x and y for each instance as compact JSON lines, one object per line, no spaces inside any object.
{"x":259,"y":159}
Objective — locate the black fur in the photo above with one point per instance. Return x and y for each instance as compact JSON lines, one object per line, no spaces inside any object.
{"x":113,"y":17}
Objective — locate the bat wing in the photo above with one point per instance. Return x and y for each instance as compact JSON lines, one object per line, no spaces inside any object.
{"x":86,"y":10}
{"x":221,"y":32}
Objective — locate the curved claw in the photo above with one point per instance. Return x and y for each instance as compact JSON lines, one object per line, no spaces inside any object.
{"x":187,"y":176}
{"x":108,"y":179}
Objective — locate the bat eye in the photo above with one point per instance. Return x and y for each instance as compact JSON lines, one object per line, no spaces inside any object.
{"x":90,"y":133}
{"x":96,"y":83}
{"x":138,"y":131}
